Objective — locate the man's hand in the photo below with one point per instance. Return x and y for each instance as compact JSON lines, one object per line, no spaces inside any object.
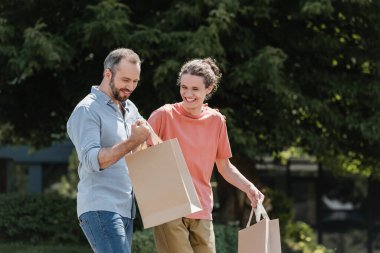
{"x":139,"y":132}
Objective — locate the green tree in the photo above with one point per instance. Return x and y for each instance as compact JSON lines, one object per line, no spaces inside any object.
{"x":296,"y":73}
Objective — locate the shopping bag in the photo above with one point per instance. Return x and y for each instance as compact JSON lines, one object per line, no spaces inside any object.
{"x":262,"y":237}
{"x":162,"y":183}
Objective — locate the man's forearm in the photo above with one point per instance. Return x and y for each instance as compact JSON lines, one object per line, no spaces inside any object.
{"x":110,"y":155}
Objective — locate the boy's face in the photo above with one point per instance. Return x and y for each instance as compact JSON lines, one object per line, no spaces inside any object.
{"x":193,"y":92}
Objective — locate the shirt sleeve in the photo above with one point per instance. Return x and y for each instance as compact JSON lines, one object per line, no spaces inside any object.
{"x":224,"y":148}
{"x":83,"y":129}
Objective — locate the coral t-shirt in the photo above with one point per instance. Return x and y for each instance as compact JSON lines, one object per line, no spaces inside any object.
{"x":202,"y":138}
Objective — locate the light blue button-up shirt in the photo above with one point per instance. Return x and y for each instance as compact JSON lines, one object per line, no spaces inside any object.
{"x":97,"y":122}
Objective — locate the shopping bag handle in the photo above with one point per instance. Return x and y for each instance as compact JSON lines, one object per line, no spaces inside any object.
{"x":155,"y":138}
{"x":259,"y":211}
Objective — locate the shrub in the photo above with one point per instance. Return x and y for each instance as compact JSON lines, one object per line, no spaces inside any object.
{"x":143,"y":242}
{"x":301,"y":238}
{"x":37,"y":218}
{"x":51,"y":219}
{"x":226,"y":238}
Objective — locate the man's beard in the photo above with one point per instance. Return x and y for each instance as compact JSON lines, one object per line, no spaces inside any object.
{"x":116,"y":92}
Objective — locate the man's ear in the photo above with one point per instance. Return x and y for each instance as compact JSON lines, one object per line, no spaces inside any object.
{"x":107,"y":74}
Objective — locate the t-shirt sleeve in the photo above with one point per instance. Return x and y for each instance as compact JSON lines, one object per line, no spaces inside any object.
{"x":224,"y":148}
{"x":155,"y":121}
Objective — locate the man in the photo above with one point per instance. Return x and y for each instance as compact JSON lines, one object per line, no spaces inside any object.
{"x":104,"y":127}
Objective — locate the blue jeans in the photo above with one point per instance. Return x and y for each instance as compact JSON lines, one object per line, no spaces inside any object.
{"x":107,"y":232}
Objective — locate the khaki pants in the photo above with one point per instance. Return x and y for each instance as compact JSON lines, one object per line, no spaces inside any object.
{"x":185,"y":236}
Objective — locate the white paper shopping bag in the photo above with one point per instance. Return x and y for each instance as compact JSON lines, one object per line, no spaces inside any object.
{"x":162,"y":183}
{"x":262,"y":237}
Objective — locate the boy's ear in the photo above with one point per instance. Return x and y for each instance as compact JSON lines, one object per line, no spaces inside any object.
{"x":210,"y":88}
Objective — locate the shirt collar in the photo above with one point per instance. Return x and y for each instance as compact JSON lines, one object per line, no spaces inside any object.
{"x":107,"y":99}
{"x":101,"y":95}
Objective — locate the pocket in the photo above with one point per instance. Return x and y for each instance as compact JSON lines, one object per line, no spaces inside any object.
{"x":88,"y":232}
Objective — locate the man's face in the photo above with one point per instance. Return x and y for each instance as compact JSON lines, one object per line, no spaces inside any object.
{"x":124,"y":80}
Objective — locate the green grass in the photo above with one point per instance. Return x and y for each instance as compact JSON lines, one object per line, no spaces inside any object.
{"x":25,"y":248}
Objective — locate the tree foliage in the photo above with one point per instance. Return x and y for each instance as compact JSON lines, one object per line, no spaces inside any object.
{"x":295,"y":73}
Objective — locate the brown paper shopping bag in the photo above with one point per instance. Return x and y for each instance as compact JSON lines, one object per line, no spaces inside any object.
{"x":262,"y":237}
{"x":162,"y":183}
